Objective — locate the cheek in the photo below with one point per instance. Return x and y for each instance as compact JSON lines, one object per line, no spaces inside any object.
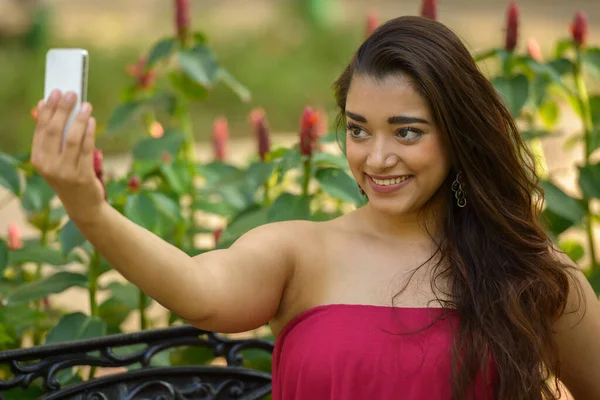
{"x":432,"y":159}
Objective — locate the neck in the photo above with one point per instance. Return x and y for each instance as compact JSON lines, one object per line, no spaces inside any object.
{"x":409,"y":225}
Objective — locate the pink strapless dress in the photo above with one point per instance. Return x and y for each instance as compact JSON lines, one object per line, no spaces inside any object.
{"x":354,"y":352}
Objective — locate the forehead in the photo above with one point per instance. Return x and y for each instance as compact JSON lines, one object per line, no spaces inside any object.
{"x":384,"y":97}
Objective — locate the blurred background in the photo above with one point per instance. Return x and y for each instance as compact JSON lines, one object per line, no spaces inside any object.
{"x":286,"y":52}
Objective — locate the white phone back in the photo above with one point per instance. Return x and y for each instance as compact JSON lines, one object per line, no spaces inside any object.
{"x":66,"y":70}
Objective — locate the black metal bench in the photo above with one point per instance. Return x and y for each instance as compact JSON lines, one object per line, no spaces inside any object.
{"x":183,"y":382}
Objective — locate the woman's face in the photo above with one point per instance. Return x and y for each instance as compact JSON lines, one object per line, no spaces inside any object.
{"x":395,"y":151}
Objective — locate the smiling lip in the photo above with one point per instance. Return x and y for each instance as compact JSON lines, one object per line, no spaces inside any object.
{"x":387,"y":188}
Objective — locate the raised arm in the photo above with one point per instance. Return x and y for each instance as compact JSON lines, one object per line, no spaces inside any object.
{"x":226,"y":290}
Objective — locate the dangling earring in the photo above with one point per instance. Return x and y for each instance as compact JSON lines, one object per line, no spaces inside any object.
{"x":459,"y":189}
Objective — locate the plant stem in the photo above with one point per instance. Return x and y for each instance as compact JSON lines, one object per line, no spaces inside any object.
{"x":267,"y":199}
{"x":307,"y":170}
{"x":588,"y":127}
{"x":43,"y":239}
{"x":142,"y":309}
{"x":93,"y":281}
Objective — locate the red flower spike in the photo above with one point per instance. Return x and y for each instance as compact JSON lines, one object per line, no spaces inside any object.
{"x":579,"y":29}
{"x":220,"y":138}
{"x":134,"y":184}
{"x":429,"y":9}
{"x":512,"y":27}
{"x":182,"y":17}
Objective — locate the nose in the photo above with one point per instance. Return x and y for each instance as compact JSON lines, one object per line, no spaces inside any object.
{"x":382,"y":156}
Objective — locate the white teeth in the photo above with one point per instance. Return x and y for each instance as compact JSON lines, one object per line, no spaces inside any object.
{"x":386,"y":182}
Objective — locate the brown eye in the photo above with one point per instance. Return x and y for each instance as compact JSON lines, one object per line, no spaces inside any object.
{"x":410,"y":134}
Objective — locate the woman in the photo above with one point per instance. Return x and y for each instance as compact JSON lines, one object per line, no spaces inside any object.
{"x":443,"y":286}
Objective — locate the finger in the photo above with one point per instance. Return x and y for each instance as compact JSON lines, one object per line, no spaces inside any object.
{"x":39,"y":107}
{"x":86,"y":156}
{"x":53,"y":136}
{"x":48,"y":108}
{"x":73,"y":139}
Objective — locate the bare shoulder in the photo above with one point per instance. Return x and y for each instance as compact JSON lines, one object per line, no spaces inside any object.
{"x":577,"y":332}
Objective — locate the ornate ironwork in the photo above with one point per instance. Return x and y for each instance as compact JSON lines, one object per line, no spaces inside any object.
{"x":157,"y":383}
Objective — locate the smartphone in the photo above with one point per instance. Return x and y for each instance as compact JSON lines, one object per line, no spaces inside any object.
{"x":67,"y":70}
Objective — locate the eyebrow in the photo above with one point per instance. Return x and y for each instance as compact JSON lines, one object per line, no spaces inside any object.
{"x":395,"y":120}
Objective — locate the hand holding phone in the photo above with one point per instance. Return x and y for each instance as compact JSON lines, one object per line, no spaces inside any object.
{"x":63,"y":141}
{"x":67,"y":71}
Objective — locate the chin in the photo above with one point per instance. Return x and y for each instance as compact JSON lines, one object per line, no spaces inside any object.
{"x":390,"y":205}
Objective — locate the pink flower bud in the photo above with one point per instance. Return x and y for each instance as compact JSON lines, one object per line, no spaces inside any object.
{"x":145,"y":79}
{"x":156,"y":130}
{"x":260,"y":129}
{"x":429,"y":9}
{"x":220,"y":138}
{"x":308,"y":131}
{"x":98,"y":168}
{"x":533,"y":48}
{"x":579,"y":29}
{"x":182,"y":18}
{"x":217,"y":234}
{"x":372,"y":23}
{"x":134,"y":184}
{"x":512,"y":27}
{"x":14,"y":237}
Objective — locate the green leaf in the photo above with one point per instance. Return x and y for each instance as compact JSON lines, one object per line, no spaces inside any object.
{"x":561,"y":66}
{"x":595,"y":109}
{"x":529,"y":135}
{"x":321,"y":215}
{"x":9,"y":175}
{"x":589,"y":180}
{"x":562,"y":46}
{"x":593,"y":277}
{"x":554,"y":223}
{"x":289,"y":207}
{"x":539,"y":88}
{"x":514,"y":90}
{"x":123,"y":114}
{"x":240,"y":90}
{"x":56,"y":283}
{"x":153,"y":148}
{"x":592,"y":60}
{"x":217,"y":208}
{"x":140,"y":209}
{"x":127,"y":293}
{"x":258,"y":360}
{"x":38,"y":194}
{"x":76,"y":326}
{"x":548,"y":112}
{"x":3,"y":256}
{"x":21,"y":317}
{"x":37,"y":253}
{"x":31,"y":393}
{"x":572,"y":141}
{"x":177,"y":176}
{"x":199,"y":64}
{"x":70,"y":237}
{"x":290,"y":160}
{"x":324,"y":159}
{"x":336,"y":183}
{"x":186,"y":85}
{"x":114,"y":313}
{"x":486,"y":54}
{"x":216,"y":171}
{"x":573,"y":249}
{"x":166,"y":206}
{"x":243,"y":223}
{"x":192,"y":356}
{"x":562,"y":204}
{"x":161,"y":50}
{"x":258,"y":174}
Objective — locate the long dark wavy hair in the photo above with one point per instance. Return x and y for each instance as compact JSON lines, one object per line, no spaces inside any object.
{"x":506,"y":282}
